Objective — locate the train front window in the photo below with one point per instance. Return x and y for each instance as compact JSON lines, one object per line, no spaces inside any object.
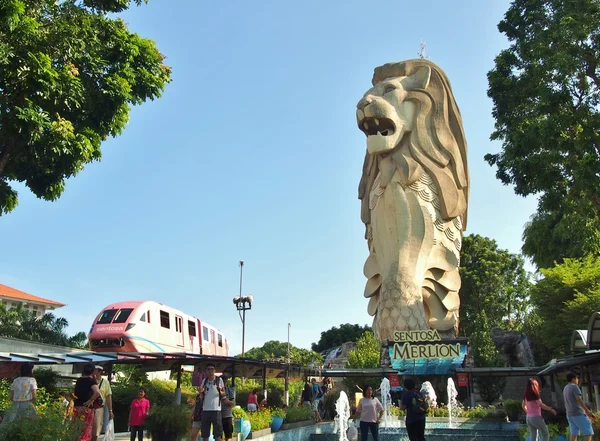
{"x":143,"y":317}
{"x":122,"y":315}
{"x":107,"y":316}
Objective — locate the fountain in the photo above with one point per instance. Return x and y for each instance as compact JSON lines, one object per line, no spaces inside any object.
{"x":386,"y":402}
{"x":341,"y":421}
{"x":453,"y":407}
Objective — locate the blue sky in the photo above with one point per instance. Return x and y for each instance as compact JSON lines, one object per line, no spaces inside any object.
{"x":253,"y":154}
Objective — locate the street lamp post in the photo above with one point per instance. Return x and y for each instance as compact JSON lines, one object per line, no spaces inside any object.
{"x":243,"y":303}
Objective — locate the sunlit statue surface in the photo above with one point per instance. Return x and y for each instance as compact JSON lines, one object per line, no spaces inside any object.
{"x":414,"y":192}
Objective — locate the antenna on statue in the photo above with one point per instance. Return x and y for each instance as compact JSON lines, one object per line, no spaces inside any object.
{"x":423,"y":50}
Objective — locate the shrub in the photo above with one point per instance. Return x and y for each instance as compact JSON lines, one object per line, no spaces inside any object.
{"x":277,"y":412}
{"x":438,"y":412}
{"x":48,"y":426}
{"x":394,"y":410}
{"x":478,"y":412}
{"x":238,"y":412}
{"x":513,"y":409}
{"x":260,"y":419}
{"x":171,"y":417}
{"x":301,"y":413}
{"x":329,"y":403}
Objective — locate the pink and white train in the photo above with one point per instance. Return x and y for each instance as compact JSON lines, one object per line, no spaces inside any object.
{"x":146,"y":326}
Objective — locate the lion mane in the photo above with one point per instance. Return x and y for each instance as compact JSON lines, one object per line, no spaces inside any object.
{"x":442,"y":151}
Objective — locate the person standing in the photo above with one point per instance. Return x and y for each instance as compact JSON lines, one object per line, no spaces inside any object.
{"x":212,"y":391}
{"x":106,"y":395}
{"x":532,"y":405}
{"x":137,"y":414}
{"x":86,"y":392}
{"x":317,"y":394}
{"x":227,"y":403}
{"x":415,"y":421}
{"x":23,"y":393}
{"x":370,"y":411}
{"x":578,"y":414}
{"x":253,"y":401}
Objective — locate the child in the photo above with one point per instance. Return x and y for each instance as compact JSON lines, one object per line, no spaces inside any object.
{"x":139,"y":408}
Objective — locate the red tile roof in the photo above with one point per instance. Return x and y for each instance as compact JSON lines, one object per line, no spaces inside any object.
{"x":7,"y":291}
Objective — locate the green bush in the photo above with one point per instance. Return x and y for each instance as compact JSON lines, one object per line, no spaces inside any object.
{"x":259,"y":420}
{"x":278,"y":412}
{"x":301,"y":413}
{"x":438,"y":412}
{"x":329,"y":402}
{"x":238,"y":412}
{"x":394,"y":410}
{"x":478,"y":412}
{"x":49,"y":425}
{"x":47,"y":378}
{"x":275,"y":391}
{"x":513,"y":409}
{"x":171,"y":417}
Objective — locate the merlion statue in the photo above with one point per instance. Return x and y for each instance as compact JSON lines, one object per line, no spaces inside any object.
{"x":414,"y":191}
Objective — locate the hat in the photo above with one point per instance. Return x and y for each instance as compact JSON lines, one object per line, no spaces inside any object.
{"x":98,"y":367}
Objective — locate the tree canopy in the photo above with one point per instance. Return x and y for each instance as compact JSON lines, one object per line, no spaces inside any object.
{"x":337,"y":336}
{"x":565,"y":299}
{"x":493,"y":281}
{"x":545,"y":91}
{"x":366,"y":355}
{"x":277,"y":350}
{"x":23,"y":324}
{"x":69,"y":72}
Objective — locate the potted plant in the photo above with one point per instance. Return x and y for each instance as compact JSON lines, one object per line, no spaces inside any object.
{"x":241,"y":424}
{"x":169,"y":422}
{"x":277,"y":417}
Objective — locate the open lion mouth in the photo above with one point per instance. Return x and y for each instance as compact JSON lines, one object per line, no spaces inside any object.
{"x":377,"y":126}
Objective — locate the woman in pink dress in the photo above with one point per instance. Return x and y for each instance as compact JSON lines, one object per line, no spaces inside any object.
{"x":139,"y":409}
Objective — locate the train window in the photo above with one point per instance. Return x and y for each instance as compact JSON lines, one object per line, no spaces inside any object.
{"x":122,"y":315}
{"x":176,"y":325}
{"x":107,"y":316}
{"x":220,"y":340}
{"x":165,"y":322}
{"x":212,"y":337}
{"x":191,"y":328}
{"x":143,"y":317}
{"x":204,"y":333}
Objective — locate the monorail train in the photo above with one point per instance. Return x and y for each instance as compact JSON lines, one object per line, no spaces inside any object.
{"x":146,"y":326}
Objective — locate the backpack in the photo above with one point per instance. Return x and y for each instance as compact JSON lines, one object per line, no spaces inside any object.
{"x":420,"y":405}
{"x":320,"y":393}
{"x":200,"y":398}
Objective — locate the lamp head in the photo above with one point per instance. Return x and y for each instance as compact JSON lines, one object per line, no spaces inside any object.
{"x":236,"y":300}
{"x":250,"y":299}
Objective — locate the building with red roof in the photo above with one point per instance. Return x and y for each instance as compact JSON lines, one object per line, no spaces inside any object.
{"x":12,"y":297}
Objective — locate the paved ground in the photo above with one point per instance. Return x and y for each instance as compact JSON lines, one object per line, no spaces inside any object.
{"x":122,"y":437}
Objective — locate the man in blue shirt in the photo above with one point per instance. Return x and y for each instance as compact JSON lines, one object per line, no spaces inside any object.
{"x":415,"y":421}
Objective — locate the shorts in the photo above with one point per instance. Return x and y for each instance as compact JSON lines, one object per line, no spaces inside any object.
{"x":98,"y":421}
{"x":227,"y":427}
{"x":580,"y":425}
{"x":315,"y":404}
{"x":252,"y":407}
{"x":211,"y":418}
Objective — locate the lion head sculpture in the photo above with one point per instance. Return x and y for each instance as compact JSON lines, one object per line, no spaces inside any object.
{"x":415,"y":182}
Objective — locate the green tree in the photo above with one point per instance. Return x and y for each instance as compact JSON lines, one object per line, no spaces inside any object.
{"x":277,"y":350}
{"x":565,"y":299}
{"x":551,"y":236}
{"x":485,"y":354}
{"x":545,"y":89}
{"x":493,"y":281}
{"x":23,"y":324}
{"x":69,"y":72}
{"x":337,"y":336}
{"x":367,"y":355}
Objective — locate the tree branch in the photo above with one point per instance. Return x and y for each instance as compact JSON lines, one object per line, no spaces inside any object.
{"x":5,"y":154}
